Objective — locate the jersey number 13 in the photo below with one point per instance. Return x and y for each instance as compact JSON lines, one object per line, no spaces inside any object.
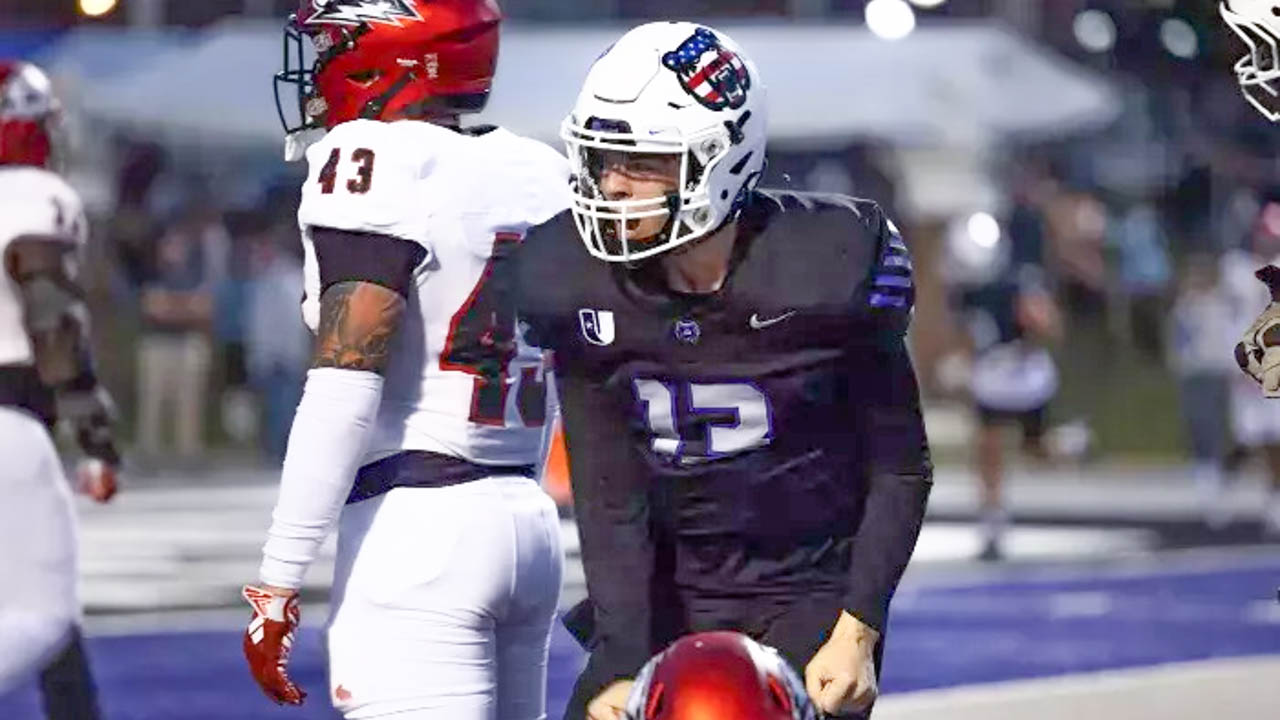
{"x":695,"y":422}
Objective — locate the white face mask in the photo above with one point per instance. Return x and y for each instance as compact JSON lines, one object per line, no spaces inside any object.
{"x":687,"y":209}
{"x":1258,"y":71}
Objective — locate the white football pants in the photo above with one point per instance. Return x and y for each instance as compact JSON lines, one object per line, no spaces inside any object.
{"x":442,"y":602}
{"x":39,"y":603}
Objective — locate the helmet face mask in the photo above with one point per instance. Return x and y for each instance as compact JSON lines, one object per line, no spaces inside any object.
{"x":1258,"y":71}
{"x":609,"y":227}
{"x":298,"y":73}
{"x":666,"y":88}
{"x":372,"y":59}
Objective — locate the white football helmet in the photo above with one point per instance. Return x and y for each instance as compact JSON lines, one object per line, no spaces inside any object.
{"x":1258,"y":25}
{"x":667,"y":87}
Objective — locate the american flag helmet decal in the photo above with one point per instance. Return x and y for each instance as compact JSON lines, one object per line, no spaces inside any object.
{"x":714,"y":75}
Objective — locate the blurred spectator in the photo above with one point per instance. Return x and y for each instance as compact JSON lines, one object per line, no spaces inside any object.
{"x":133,"y":231}
{"x":1077,"y":223}
{"x":1143,"y":272}
{"x":1013,"y":379}
{"x":237,"y":406}
{"x":277,"y":342}
{"x":1201,"y":328}
{"x":177,"y":308}
{"x":998,"y":281}
{"x":1255,"y":420}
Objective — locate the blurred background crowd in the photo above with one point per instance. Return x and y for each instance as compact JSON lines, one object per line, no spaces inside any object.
{"x":1084,"y":191}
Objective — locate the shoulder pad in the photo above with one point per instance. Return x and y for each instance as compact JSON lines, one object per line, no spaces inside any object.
{"x":795,"y":200}
{"x":527,"y":181}
{"x":40,"y":204}
{"x":551,"y":252}
{"x":855,"y":236}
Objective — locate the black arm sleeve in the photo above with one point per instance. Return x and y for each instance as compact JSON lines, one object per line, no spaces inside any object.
{"x":894,"y":455}
{"x":612,"y":503}
{"x":366,"y":257}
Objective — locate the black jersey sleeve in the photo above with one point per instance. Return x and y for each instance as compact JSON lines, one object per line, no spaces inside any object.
{"x":612,"y":502}
{"x":345,"y":255}
{"x":886,"y":293}
{"x":542,"y":263}
{"x":893,"y":452}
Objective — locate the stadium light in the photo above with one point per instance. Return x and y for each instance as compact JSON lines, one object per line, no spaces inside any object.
{"x":97,"y":8}
{"x":1094,"y":30}
{"x":890,"y":19}
{"x":1179,"y":38}
{"x":927,"y":4}
{"x":984,"y":230}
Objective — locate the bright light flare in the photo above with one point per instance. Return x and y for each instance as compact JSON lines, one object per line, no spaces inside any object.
{"x":97,"y":8}
{"x":890,"y":19}
{"x":984,"y":230}
{"x":1094,"y":30}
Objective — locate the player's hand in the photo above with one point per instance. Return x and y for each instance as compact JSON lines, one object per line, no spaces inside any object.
{"x":1258,"y":352}
{"x":841,"y":677}
{"x":269,"y":639}
{"x":97,"y":479}
{"x":611,"y":703}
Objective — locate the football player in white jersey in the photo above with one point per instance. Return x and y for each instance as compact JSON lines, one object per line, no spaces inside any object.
{"x":422,"y":416}
{"x":46,"y":373}
{"x":1256,"y":23}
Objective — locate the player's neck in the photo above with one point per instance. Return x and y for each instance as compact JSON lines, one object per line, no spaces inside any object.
{"x":703,"y":267}
{"x":446,"y":120}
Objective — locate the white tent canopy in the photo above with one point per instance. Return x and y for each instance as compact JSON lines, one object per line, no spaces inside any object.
{"x":950,"y":85}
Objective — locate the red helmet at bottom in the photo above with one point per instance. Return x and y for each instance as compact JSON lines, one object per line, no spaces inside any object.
{"x":28,"y":113}
{"x":719,"y":676}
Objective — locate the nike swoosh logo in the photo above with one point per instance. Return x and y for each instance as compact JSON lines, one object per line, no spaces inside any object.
{"x":758,"y":324}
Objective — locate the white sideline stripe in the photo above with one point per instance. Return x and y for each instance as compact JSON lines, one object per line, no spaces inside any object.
{"x":1142,"y":564}
{"x":1243,"y":688}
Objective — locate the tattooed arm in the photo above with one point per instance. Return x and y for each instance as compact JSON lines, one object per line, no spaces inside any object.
{"x":357,"y":322}
{"x":366,"y":281}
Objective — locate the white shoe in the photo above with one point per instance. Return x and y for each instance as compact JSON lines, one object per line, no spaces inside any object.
{"x":1212,"y":493}
{"x":993,"y":524}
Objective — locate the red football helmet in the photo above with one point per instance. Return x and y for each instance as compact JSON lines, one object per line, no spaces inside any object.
{"x":384,"y":59}
{"x":29,"y":113}
{"x":718,"y":676}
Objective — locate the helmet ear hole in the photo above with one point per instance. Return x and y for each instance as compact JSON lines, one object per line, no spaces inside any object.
{"x":654,"y":705}
{"x":779,"y":694}
{"x":364,"y":78}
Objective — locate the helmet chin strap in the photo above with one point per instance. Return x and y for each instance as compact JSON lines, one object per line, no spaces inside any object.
{"x":373,"y":109}
{"x":690,"y":245}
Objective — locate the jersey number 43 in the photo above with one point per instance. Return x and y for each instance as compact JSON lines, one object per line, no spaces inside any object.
{"x":482,"y":342}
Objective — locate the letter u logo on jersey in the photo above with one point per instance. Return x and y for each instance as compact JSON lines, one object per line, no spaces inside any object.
{"x":597,"y":326}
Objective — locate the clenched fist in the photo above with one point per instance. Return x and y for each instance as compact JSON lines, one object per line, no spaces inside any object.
{"x":841,"y":677}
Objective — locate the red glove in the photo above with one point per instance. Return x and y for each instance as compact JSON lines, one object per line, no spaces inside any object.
{"x":97,"y":479}
{"x":268,"y":641}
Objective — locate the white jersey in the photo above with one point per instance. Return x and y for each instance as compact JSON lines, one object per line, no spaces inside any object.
{"x":460,"y":379}
{"x":38,"y":204}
